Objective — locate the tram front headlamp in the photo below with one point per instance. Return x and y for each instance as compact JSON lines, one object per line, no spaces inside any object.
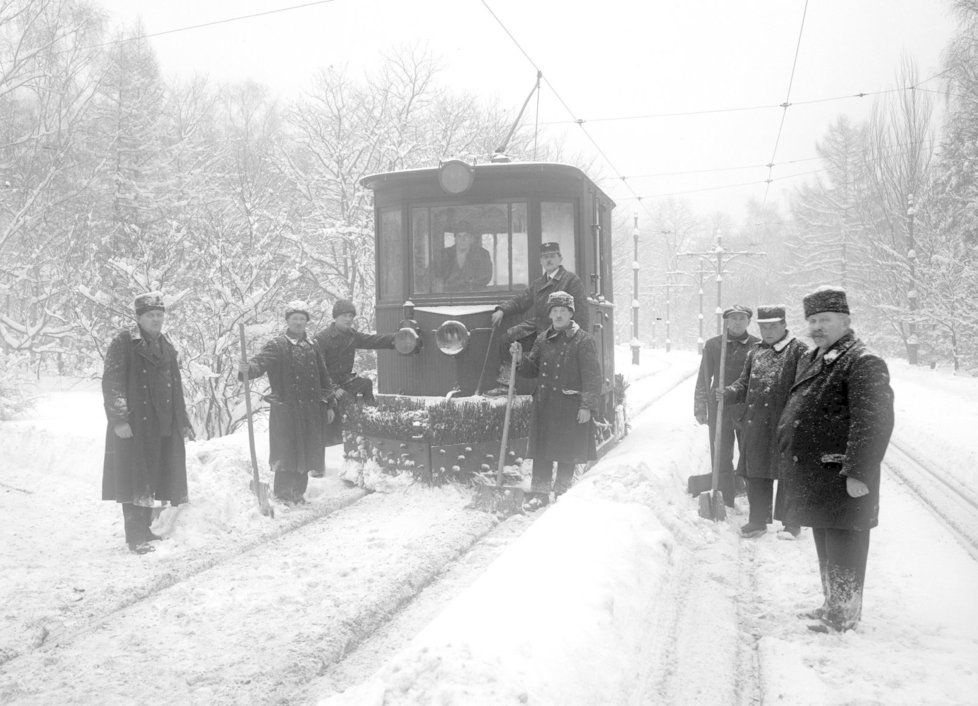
{"x":452,"y":337}
{"x":455,"y":176}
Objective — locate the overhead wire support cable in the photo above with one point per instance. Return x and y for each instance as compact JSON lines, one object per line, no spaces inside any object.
{"x":787,"y":102}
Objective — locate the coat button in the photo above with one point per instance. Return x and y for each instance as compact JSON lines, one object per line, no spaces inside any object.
{"x":797,"y":422}
{"x":795,"y":459}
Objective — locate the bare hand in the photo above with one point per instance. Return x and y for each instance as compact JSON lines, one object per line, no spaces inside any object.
{"x":330,"y":416}
{"x":583,"y":416}
{"x":339,"y":394}
{"x":516,"y":350}
{"x":123,"y":431}
{"x":497,"y":317}
{"x":701,"y":418}
{"x":856,"y":488}
{"x":719,"y":395}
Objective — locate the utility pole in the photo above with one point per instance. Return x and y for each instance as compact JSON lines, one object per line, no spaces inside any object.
{"x":912,"y":343}
{"x":701,"y":273}
{"x":636,"y":344}
{"x":668,"y":287}
{"x":720,"y":257}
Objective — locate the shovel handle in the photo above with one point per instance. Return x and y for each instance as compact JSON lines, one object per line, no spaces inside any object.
{"x":718,"y":433}
{"x":509,"y":409}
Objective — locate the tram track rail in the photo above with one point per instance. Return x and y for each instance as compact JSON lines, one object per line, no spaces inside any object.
{"x":954,"y":505}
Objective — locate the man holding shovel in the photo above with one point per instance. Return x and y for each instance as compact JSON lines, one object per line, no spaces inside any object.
{"x":763,"y":389}
{"x":739,"y":342}
{"x":300,"y":395}
{"x":564,"y":360}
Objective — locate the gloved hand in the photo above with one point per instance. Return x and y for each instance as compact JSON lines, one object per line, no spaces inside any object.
{"x":701,"y":418}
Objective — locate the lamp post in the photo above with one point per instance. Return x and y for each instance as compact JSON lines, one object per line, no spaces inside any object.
{"x":913,"y":345}
{"x":636,"y":344}
{"x":668,"y":287}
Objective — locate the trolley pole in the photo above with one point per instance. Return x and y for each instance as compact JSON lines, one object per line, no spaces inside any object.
{"x":913,"y":344}
{"x":636,"y":344}
{"x":700,"y":342}
{"x":719,"y":258}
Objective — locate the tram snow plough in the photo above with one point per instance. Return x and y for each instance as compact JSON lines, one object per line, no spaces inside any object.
{"x":452,"y":243}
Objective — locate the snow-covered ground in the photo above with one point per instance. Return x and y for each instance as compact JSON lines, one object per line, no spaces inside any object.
{"x":619,"y":593}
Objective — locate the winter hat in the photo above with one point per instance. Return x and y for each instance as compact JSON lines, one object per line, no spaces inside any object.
{"x":738,"y":309}
{"x":297,"y":307}
{"x":150,"y":301}
{"x":560,"y":299}
{"x":824,"y":299}
{"x":548,"y":248}
{"x":769,"y":314}
{"x":343,"y":306}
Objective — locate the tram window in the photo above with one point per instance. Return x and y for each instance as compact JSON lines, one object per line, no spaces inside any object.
{"x":474,"y":248}
{"x":391,"y":254}
{"x":557,"y":226}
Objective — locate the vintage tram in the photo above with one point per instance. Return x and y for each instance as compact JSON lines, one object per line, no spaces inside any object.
{"x":452,"y":243}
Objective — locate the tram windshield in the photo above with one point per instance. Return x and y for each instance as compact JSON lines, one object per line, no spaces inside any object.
{"x":475,"y":248}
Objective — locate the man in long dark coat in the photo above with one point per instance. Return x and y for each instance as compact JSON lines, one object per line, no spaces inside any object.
{"x":300,"y":396}
{"x":142,"y":391}
{"x":564,"y":360}
{"x":832,"y":435}
{"x":466,"y":266}
{"x":337,"y":345}
{"x":762,"y":389}
{"x":532,"y":302}
{"x":739,"y":342}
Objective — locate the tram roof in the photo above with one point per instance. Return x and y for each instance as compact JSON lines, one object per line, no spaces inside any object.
{"x":496,"y":169}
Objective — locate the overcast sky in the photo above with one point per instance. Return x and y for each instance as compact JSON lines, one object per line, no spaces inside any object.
{"x":606,"y":59}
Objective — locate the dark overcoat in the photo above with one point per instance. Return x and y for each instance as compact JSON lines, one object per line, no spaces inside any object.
{"x":704,"y":397}
{"x":145,"y":391}
{"x":837,"y":423}
{"x":532,"y":302}
{"x":565,"y":364}
{"x":338,"y":349}
{"x":474,"y":274}
{"x":763,"y":388}
{"x":299,"y":397}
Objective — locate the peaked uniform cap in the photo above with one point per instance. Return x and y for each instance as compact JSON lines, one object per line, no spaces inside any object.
{"x":770,"y":314}
{"x":297,"y":307}
{"x":738,"y":309}
{"x":548,"y":248}
{"x":150,"y":301}
{"x":825,"y":299}
{"x":560,"y":299}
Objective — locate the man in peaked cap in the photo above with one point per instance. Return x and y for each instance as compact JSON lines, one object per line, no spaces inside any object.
{"x":300,"y":398}
{"x":832,"y":437}
{"x":762,"y":389}
{"x":739,"y":342}
{"x":532,"y":304}
{"x":142,"y":390}
{"x":564,"y":361}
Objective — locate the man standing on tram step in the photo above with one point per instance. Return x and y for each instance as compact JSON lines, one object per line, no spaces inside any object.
{"x":739,"y":342}
{"x":338,"y":344}
{"x":564,"y":360}
{"x":832,"y":437}
{"x":300,"y":400}
{"x":532,"y":302}
{"x":763,"y":389}
{"x":145,"y":460}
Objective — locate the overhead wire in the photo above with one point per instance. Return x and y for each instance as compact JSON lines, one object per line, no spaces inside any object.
{"x":787,"y":101}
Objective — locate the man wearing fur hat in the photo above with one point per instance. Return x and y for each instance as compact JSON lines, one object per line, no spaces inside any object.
{"x":300,"y":398}
{"x":762,"y":389}
{"x":532,"y":303}
{"x":142,"y":391}
{"x":564,"y":361}
{"x":832,"y":437}
{"x":338,"y":344}
{"x":736,"y":319}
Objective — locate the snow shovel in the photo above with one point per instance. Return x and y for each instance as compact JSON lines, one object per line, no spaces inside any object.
{"x":261,"y":489}
{"x":711,"y":502}
{"x":499,"y":499}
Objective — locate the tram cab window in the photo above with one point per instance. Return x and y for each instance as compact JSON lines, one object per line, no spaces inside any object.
{"x":391,"y":255}
{"x":557,"y":226}
{"x":477,"y":248}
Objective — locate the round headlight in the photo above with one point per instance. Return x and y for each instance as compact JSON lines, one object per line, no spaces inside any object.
{"x":455,"y":176}
{"x":452,"y":337}
{"x":406,"y":341}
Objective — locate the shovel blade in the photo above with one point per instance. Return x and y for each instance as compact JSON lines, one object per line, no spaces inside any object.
{"x":502,"y":501}
{"x":711,"y":506}
{"x":699,"y":484}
